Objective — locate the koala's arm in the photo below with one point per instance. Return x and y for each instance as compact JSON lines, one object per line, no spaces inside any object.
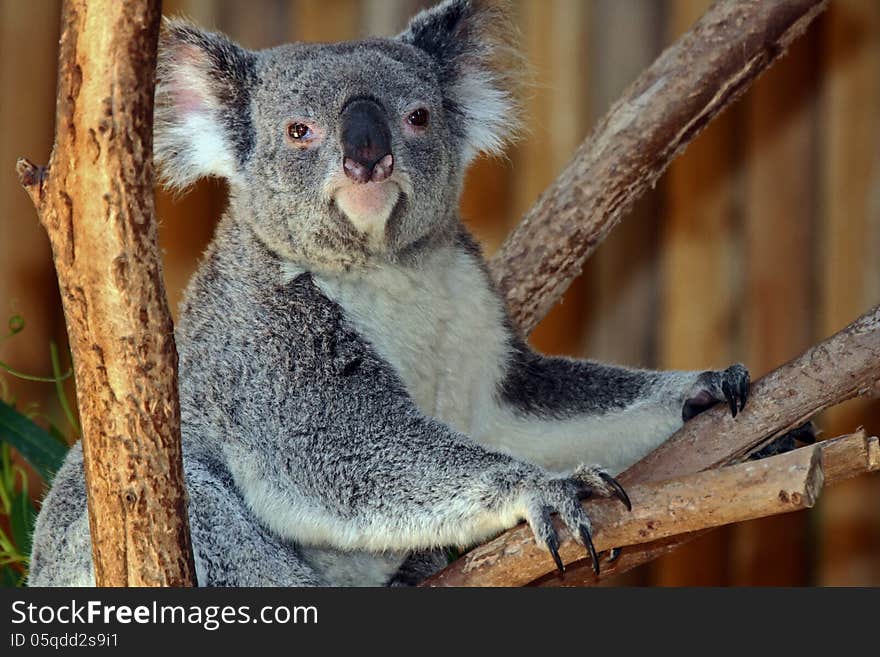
{"x":349,"y":462}
{"x":560,"y":412}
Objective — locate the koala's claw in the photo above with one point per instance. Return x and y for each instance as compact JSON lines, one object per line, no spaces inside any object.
{"x":614,"y":554}
{"x":735,"y":386}
{"x":805,"y":433}
{"x":730,"y":385}
{"x":587,"y":540}
{"x":563,"y":495}
{"x":553,"y":546}
{"x":617,"y":488}
{"x":730,"y":396}
{"x":593,"y":480}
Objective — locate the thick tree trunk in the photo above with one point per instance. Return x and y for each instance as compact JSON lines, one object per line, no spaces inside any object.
{"x":95,"y":200}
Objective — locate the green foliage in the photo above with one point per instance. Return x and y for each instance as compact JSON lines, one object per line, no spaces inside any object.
{"x":43,"y":449}
{"x":15,"y":504}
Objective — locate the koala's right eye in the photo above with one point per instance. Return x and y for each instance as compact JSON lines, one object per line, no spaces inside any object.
{"x":418,"y":118}
{"x":298,"y":131}
{"x":302,"y":133}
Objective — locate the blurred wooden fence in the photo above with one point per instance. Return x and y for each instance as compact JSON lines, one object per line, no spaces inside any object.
{"x":762,"y":238}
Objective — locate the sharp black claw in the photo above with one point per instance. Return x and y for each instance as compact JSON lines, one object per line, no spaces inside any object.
{"x":730,"y":396}
{"x":806,"y":433}
{"x":614,"y":554}
{"x":588,"y":542}
{"x":744,"y":391}
{"x":553,"y":546}
{"x":559,"y":565}
{"x":618,"y":490}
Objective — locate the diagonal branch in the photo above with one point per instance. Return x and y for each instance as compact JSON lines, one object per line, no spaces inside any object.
{"x":661,"y":112}
{"x":844,"y":366}
{"x":658,"y":116}
{"x":662,"y":510}
{"x":837,"y":455}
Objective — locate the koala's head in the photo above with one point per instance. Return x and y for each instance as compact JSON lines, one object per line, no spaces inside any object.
{"x":337,"y":153}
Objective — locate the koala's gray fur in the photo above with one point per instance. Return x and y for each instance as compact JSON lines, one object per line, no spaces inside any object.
{"x":351,"y":390}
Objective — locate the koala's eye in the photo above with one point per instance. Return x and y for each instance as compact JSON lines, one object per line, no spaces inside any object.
{"x":298,"y":131}
{"x":418,"y":118}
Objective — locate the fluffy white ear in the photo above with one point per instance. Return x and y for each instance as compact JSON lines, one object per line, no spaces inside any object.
{"x":202,"y":124}
{"x":472,"y":42}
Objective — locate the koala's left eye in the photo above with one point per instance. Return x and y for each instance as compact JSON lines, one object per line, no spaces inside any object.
{"x":418,"y":118}
{"x":298,"y":131}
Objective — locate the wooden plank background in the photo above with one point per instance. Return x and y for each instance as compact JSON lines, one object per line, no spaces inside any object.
{"x":763,"y":238}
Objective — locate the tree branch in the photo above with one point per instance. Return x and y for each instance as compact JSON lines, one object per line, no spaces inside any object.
{"x":663,"y":510}
{"x":667,"y":106}
{"x":658,"y":116}
{"x":844,"y":366}
{"x":95,"y":201}
{"x":837,"y":458}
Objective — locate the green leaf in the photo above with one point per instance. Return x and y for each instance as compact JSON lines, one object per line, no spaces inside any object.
{"x":21,"y":522}
{"x":9,"y":577}
{"x":37,"y":446}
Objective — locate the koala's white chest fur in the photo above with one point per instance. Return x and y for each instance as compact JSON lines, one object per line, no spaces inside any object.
{"x":439,"y":326}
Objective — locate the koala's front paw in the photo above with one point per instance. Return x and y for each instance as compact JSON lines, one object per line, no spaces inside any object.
{"x":805,"y":434}
{"x":563,"y":496}
{"x":730,"y":385}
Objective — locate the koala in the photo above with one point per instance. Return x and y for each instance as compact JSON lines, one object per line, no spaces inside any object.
{"x":354,"y":397}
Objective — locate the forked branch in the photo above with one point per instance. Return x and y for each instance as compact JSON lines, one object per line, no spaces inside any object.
{"x":662,"y":510}
{"x":661,"y":112}
{"x":844,"y":366}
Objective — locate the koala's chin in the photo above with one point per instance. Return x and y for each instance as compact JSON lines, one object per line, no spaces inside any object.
{"x":368,"y":207}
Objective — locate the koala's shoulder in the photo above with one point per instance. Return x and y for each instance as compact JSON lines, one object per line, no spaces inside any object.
{"x":297,"y":316}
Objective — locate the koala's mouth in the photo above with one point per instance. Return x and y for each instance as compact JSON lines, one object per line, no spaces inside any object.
{"x":368,"y":205}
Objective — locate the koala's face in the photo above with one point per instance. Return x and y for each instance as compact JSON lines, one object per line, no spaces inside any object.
{"x":353,"y":145}
{"x":343,"y":152}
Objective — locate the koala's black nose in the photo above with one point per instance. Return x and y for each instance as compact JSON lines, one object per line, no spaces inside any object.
{"x":366,"y":142}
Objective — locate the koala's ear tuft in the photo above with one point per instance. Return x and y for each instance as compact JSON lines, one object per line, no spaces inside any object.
{"x":203,"y":124}
{"x":481,"y":72}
